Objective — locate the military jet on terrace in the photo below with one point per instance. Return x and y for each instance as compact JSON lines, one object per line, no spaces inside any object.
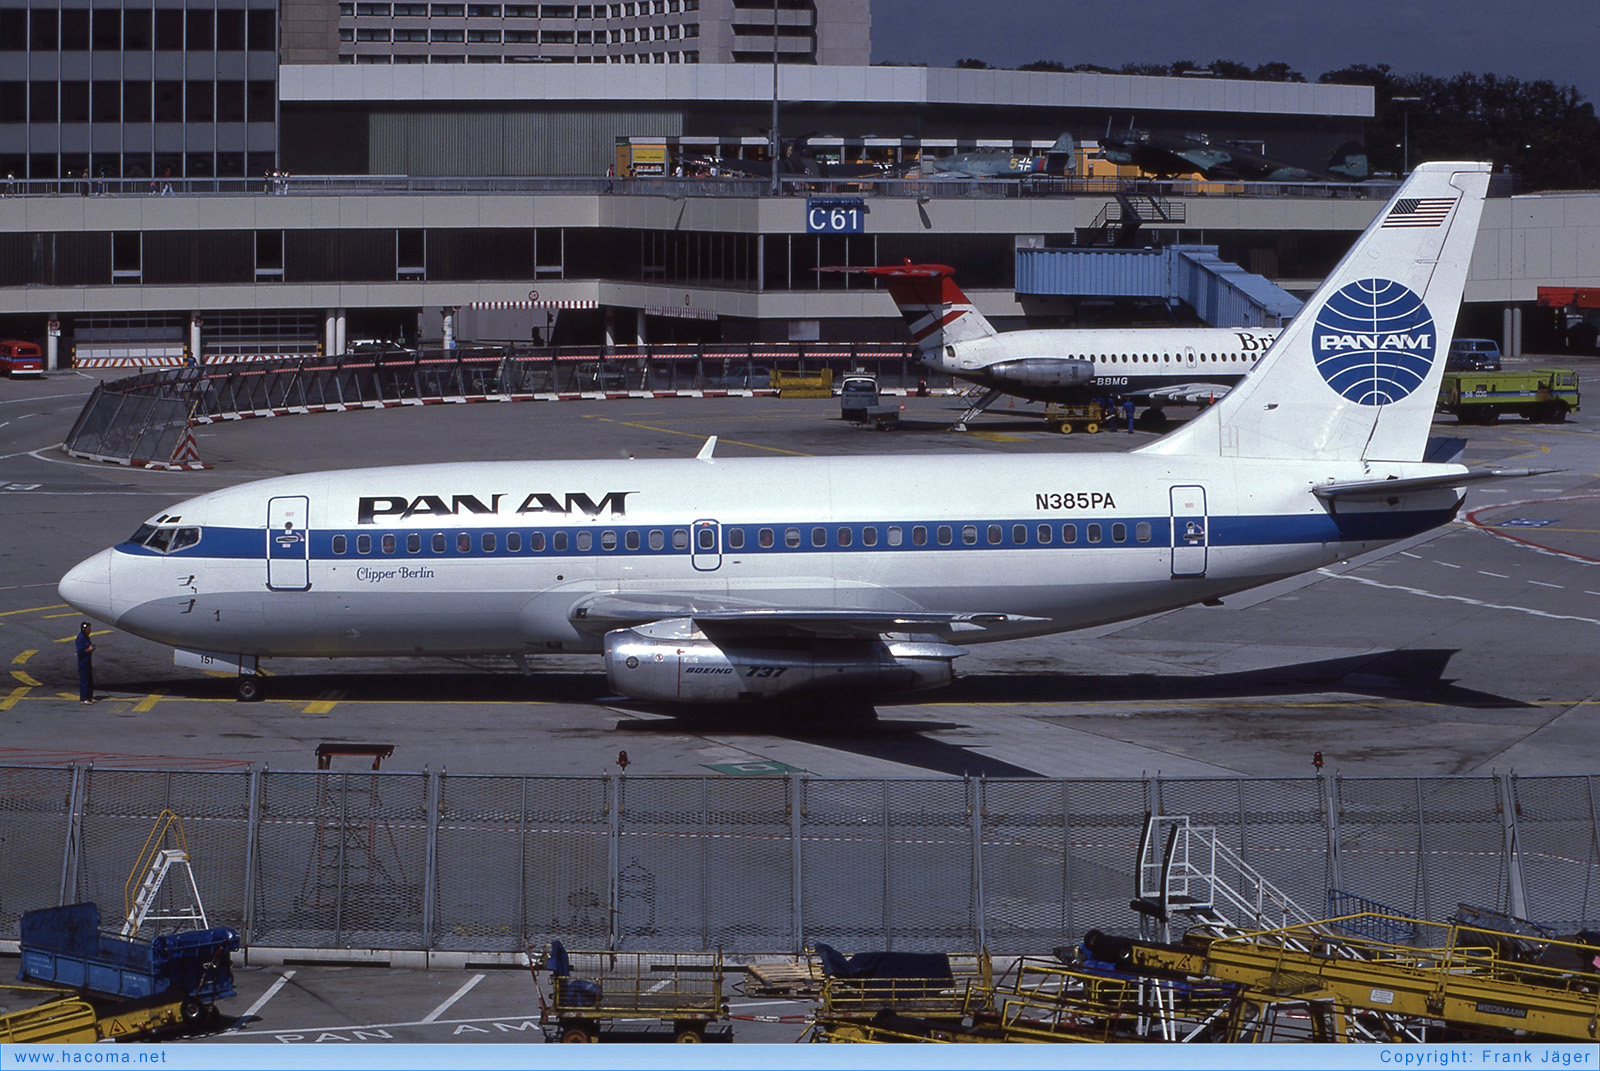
{"x":1171,"y":155}
{"x":1002,"y":163}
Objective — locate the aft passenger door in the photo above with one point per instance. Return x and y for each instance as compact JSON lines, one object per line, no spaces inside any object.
{"x":288,"y":544}
{"x":1190,"y":535}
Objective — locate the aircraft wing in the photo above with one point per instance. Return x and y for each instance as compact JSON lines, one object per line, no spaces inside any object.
{"x":1378,"y":490}
{"x":1184,"y":393}
{"x":602,"y":613}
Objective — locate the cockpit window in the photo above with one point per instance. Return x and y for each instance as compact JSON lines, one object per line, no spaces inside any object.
{"x":165,"y":539}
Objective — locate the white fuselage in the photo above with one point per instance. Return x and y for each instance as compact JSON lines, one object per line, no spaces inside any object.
{"x":1119,"y":361}
{"x":498,"y":558}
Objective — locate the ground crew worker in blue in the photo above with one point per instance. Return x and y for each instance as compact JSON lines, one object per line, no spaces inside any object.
{"x":85,"y":647}
{"x":1127,"y":412}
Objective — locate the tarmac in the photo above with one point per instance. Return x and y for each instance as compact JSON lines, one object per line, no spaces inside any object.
{"x":1468,"y":651}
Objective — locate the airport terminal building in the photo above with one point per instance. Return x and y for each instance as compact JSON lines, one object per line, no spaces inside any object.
{"x":299,"y":192}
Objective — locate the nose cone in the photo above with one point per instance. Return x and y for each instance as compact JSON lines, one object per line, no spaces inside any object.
{"x":87,"y":586}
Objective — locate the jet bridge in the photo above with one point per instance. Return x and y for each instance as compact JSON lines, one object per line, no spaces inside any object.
{"x":1222,"y":294}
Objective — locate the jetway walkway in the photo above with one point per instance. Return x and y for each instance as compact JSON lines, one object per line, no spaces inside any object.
{"x":1221,"y":294}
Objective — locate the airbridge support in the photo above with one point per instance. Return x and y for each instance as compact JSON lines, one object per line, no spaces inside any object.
{"x":1221,"y":294}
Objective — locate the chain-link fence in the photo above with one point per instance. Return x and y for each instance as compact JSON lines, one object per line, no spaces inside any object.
{"x":143,"y":418}
{"x":446,"y":862}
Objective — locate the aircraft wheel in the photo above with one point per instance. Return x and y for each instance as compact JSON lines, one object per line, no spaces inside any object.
{"x":1091,"y":428}
{"x":248,"y":689}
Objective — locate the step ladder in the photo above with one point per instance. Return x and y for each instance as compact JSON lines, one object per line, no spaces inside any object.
{"x":156,"y":860}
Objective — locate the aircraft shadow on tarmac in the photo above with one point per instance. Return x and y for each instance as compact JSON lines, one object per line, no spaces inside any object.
{"x":1410,"y":675}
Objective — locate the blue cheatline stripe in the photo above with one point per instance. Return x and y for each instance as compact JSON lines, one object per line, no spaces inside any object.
{"x":1236,"y":531}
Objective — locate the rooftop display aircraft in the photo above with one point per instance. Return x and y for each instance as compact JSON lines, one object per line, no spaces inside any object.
{"x":717,"y":580}
{"x":1158,"y":364}
{"x":1001,"y":163}
{"x":1172,"y":155}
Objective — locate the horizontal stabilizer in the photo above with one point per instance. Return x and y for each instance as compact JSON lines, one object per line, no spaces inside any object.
{"x":1379,"y":490}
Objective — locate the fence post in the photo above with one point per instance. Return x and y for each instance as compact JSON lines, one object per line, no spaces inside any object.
{"x":1516,"y":894}
{"x":1330,"y":817}
{"x":797,"y":877}
{"x":884,"y":874}
{"x":69,"y":858}
{"x":975,"y":809}
{"x":430,"y":869}
{"x":251,"y":848}
{"x":1419,"y":898}
{"x":613,"y":856}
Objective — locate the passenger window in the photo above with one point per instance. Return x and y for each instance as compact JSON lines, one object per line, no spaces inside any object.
{"x":707,"y":538}
{"x":608,"y":540}
{"x":819,"y":537}
{"x":413,"y":543}
{"x":969,"y":534}
{"x":1069,"y":533}
{"x":630,"y":539}
{"x":1141,"y":531}
{"x":488,"y":542}
{"x":765,"y":537}
{"x":340,"y":544}
{"x":658,"y":539}
{"x":1019,"y":534}
{"x":438,"y":542}
{"x":791,"y":537}
{"x":996,"y":534}
{"x":946,"y":535}
{"x":1119,"y":533}
{"x":1044,"y":532}
{"x":389,"y":543}
{"x":919,"y":535}
{"x":558,"y":542}
{"x":363,"y":544}
{"x":463,"y":542}
{"x":680,"y":539}
{"x":585,"y":542}
{"x":734,"y":538}
{"x":1094,"y":533}
{"x":536,"y":542}
{"x":844,"y":537}
{"x":869,"y":537}
{"x":514,"y":542}
{"x":185,"y":537}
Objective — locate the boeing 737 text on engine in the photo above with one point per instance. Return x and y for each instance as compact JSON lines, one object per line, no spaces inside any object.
{"x":707,"y":580}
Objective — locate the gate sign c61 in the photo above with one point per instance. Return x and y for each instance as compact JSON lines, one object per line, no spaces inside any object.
{"x":836,"y":215}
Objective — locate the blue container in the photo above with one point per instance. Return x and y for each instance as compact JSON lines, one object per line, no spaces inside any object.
{"x":64,"y":946}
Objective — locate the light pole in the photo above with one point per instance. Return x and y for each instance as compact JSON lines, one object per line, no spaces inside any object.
{"x":777,"y":145}
{"x":1405,"y":127}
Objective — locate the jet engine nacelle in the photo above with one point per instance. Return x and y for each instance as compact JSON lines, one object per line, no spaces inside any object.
{"x":1042,"y":372}
{"x":693,"y":669}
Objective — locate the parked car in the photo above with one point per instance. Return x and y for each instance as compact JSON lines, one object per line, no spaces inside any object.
{"x":20,"y":359}
{"x":1473,"y":355}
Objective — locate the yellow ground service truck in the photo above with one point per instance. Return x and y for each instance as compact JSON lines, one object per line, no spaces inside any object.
{"x":1546,"y":395}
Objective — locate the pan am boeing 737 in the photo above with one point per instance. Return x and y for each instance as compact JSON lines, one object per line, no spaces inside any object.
{"x":710,"y":580}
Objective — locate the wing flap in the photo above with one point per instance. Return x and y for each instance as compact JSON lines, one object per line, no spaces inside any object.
{"x":602,"y":613}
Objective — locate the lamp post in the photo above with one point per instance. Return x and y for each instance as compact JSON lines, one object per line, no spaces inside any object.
{"x":1405,"y":127}
{"x":777,"y":144}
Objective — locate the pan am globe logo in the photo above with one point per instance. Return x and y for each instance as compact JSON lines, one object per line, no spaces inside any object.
{"x":1374,"y":341}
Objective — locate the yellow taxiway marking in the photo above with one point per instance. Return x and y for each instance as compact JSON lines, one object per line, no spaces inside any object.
{"x":148,"y":702}
{"x":997,"y":437}
{"x":23,"y":657}
{"x":52,"y":617}
{"x":36,"y":609}
{"x":9,"y":701}
{"x":17,"y":674}
{"x":325,"y":702}
{"x":92,"y":632}
{"x":702,"y":436}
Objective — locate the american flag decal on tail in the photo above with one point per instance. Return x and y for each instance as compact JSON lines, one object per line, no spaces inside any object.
{"x":1419,"y":212}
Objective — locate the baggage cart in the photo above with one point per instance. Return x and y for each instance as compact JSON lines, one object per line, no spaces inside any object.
{"x":635,"y":996}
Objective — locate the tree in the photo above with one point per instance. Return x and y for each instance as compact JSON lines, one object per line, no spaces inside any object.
{"x":972,"y":65}
{"x":1044,"y":65}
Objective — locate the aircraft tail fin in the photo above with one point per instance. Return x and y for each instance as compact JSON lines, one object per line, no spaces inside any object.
{"x":935,"y":309}
{"x":1350,"y":161}
{"x":1355,"y":375}
{"x":1062,"y":156}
